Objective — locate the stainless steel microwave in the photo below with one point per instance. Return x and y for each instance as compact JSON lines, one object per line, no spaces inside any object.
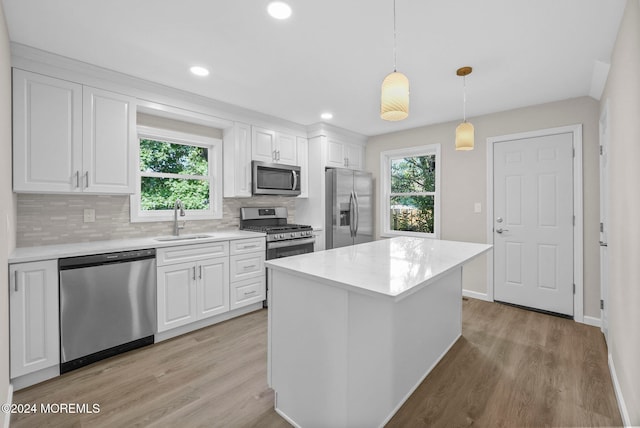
{"x":275,"y":179}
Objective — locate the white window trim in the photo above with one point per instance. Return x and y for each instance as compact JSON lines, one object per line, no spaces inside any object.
{"x":214,"y":145}
{"x":385,"y":188}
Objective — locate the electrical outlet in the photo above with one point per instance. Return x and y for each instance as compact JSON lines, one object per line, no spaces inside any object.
{"x":89,"y":215}
{"x":477,"y":207}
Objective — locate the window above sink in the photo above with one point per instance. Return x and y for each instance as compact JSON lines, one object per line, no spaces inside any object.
{"x":175,"y":165}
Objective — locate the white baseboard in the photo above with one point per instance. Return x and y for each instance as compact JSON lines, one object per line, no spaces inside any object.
{"x":596,"y":322}
{"x":7,"y":415}
{"x":476,"y":295}
{"x":626,"y":420}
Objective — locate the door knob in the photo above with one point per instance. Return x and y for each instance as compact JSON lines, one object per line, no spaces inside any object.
{"x":500,"y":230}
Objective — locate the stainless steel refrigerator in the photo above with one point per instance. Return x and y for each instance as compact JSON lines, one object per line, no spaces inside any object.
{"x":349,"y":207}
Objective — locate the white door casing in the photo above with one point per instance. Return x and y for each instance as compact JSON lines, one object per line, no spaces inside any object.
{"x":540,"y":249}
{"x":604,"y":211}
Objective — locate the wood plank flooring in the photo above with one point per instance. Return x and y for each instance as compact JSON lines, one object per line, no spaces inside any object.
{"x":511,"y":368}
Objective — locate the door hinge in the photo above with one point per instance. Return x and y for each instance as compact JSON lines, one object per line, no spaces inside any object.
{"x":601,"y":304}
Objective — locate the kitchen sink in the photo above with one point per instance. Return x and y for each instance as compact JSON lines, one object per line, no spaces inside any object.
{"x":182,"y":238}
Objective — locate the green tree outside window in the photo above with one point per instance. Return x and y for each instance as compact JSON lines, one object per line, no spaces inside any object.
{"x":413,"y":186}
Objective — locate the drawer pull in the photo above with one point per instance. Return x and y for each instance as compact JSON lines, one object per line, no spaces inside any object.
{"x":249,"y":293}
{"x":246,"y":247}
{"x":249,"y":267}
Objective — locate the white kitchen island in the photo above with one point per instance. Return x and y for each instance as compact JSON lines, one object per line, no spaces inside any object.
{"x":354,"y":330}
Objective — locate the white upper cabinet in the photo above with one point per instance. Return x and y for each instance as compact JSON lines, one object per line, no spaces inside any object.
{"x":303,"y":162}
{"x":108,"y":154}
{"x":286,"y":149}
{"x":344,"y":155}
{"x":71,"y":138}
{"x":263,"y":144}
{"x":237,"y":161}
{"x":273,"y":147}
{"x":47,"y":133}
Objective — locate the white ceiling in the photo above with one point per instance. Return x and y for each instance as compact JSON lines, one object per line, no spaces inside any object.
{"x":332,"y":55}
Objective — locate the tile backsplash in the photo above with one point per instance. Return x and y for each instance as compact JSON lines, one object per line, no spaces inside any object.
{"x":59,"y":219}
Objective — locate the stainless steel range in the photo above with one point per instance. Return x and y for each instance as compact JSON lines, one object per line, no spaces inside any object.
{"x":283,"y":239}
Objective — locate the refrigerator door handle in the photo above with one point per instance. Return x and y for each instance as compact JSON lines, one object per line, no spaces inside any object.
{"x":356,"y":214}
{"x":351,"y":215}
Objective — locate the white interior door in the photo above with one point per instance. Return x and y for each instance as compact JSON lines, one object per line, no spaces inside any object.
{"x":604,"y":197}
{"x":533,"y":222}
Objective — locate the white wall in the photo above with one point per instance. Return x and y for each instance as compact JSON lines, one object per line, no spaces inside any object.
{"x":623,"y":94}
{"x":7,"y":205}
{"x":464,"y":179}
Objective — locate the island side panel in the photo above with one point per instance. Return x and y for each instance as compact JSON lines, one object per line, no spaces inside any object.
{"x":308,"y":350}
{"x":394,"y":345}
{"x":426,"y":326}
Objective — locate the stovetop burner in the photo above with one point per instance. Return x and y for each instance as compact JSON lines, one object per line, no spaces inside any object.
{"x":273,"y":222}
{"x":275,"y":229}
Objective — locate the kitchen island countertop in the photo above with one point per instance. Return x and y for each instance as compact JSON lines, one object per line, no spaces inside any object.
{"x":394,"y":267}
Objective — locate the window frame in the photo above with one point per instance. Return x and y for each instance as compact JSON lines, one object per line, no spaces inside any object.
{"x":385,"y":189}
{"x":214,"y":146}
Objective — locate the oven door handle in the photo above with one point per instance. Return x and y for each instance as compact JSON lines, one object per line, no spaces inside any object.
{"x":290,"y":243}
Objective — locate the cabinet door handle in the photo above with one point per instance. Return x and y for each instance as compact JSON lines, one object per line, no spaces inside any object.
{"x":77,"y":179}
{"x":194,"y":273}
{"x":15,"y":284}
{"x":200,"y":272}
{"x":86,"y":179}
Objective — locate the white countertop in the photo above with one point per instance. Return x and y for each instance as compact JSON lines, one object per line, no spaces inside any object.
{"x":49,"y":252}
{"x":390,"y":267}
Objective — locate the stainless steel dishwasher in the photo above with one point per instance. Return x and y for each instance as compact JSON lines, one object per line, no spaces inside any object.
{"x":107,"y":305}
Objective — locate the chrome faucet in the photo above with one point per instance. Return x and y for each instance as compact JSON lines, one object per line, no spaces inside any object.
{"x":176,"y":227}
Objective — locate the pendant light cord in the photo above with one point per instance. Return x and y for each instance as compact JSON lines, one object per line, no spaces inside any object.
{"x":464,"y":98}
{"x":394,"y":37}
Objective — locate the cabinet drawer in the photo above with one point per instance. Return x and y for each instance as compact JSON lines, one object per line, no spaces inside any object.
{"x":247,"y":292}
{"x":247,"y":266}
{"x":244,"y":246}
{"x":188,"y":253}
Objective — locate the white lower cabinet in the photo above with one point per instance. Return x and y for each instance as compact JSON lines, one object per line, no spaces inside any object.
{"x":200,"y":281}
{"x":248,"y":277}
{"x":33,"y":307}
{"x":212,"y":297}
{"x":192,"y":290}
{"x":176,"y":296}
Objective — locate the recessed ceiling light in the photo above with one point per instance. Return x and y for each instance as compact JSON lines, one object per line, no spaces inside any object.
{"x":199,"y":71}
{"x":279,"y":10}
{"x":326,"y":116}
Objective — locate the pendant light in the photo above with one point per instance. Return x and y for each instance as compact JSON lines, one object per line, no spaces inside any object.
{"x":464,"y":131}
{"x":394,"y":99}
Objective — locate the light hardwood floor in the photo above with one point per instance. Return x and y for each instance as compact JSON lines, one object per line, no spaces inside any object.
{"x":511,"y":368}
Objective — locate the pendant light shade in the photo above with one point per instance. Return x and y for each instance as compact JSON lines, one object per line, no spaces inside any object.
{"x":394,"y":98}
{"x":394,"y":102}
{"x":464,"y":136}
{"x":464,"y":131}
